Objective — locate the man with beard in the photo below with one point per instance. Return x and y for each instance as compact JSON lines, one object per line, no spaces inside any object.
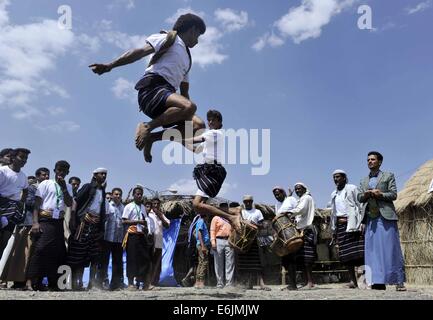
{"x":346,"y":223}
{"x":303,"y":215}
{"x":249,"y":263}
{"x":87,"y":230}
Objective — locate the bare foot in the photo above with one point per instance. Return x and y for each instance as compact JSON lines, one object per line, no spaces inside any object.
{"x":141,"y":135}
{"x":147,"y":151}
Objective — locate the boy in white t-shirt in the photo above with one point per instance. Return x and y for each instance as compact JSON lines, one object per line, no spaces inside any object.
{"x":167,"y":72}
{"x":48,"y":248}
{"x":210,"y":175}
{"x":13,"y":192}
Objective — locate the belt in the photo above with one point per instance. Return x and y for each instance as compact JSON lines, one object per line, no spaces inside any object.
{"x":342,"y":219}
{"x":92,"y":219}
{"x":223,"y":238}
{"x":49,"y":214}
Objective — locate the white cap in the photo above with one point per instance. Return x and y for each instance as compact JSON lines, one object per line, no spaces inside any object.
{"x":339,"y":171}
{"x":300,"y":184}
{"x":100,"y":170}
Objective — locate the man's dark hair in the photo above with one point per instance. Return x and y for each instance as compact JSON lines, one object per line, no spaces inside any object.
{"x":5,"y":152}
{"x":377,"y":154}
{"x":214,"y":114}
{"x":116,"y":189}
{"x":74,"y":178}
{"x":187,"y":21}
{"x":15,"y":152}
{"x":40,"y":170}
{"x":31,"y":178}
{"x":147,"y":202}
{"x":156,"y":199}
{"x":137,"y":187}
{"x":234,"y":204}
{"x":223,"y":205}
{"x":62,"y":164}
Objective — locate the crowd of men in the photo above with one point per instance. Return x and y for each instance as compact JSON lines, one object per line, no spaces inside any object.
{"x":46,"y":223}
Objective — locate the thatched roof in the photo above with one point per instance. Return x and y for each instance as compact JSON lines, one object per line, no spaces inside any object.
{"x":415,"y":190}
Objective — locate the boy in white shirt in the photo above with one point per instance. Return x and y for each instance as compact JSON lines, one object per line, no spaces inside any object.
{"x":137,"y":241}
{"x":167,"y":72}
{"x":210,"y":175}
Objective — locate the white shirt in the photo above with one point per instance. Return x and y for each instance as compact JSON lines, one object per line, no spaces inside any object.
{"x":51,"y":196}
{"x":213,"y":146}
{"x":174,"y":64}
{"x":12,"y":183}
{"x":158,"y":229}
{"x":340,"y":203}
{"x":254,"y":215}
{"x":136,"y":212}
{"x":304,"y":211}
{"x":95,"y":207}
{"x":288,"y":204}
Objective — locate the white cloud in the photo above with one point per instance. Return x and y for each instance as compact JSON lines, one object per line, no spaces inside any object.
{"x":55,"y":111}
{"x":231,"y":20}
{"x":4,"y":17}
{"x":208,"y":50}
{"x":267,"y":39}
{"x":62,"y":126}
{"x":303,"y":22}
{"x":124,"y":90}
{"x":122,"y":40}
{"x":419,"y":7}
{"x":92,"y":44}
{"x":128,"y":4}
{"x":189,"y":187}
{"x":27,"y":53}
{"x":171,"y":20}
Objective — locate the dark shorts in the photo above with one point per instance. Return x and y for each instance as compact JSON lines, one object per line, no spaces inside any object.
{"x":153,"y":91}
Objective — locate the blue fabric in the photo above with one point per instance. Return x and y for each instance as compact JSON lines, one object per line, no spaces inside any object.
{"x":384,"y":263}
{"x":166,"y":278}
{"x":201,"y":225}
{"x":372,"y":183}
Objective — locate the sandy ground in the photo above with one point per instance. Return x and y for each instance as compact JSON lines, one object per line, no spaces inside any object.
{"x":320,"y":292}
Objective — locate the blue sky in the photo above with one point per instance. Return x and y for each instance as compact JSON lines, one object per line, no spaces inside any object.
{"x":328,"y":91}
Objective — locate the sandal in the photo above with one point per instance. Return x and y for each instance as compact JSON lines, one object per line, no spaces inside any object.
{"x":400,"y":287}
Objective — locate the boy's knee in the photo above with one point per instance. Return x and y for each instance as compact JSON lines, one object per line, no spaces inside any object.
{"x":191,"y":108}
{"x":198,"y":124}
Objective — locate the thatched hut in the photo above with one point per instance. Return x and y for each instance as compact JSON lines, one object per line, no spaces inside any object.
{"x":414,"y":207}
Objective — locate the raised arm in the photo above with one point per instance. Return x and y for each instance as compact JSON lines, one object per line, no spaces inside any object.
{"x":128,"y":57}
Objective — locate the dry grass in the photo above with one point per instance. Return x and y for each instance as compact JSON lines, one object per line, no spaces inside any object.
{"x":415,"y":190}
{"x":416,"y":233}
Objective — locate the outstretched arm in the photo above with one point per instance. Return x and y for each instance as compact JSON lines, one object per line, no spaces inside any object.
{"x":127,"y":58}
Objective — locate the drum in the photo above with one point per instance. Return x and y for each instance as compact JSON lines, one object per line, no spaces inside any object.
{"x":289,"y":236}
{"x":278,"y":247}
{"x":241,"y":241}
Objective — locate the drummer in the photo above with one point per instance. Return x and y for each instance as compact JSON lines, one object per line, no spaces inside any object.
{"x":249,"y":264}
{"x":304,"y":215}
{"x":284,"y":204}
